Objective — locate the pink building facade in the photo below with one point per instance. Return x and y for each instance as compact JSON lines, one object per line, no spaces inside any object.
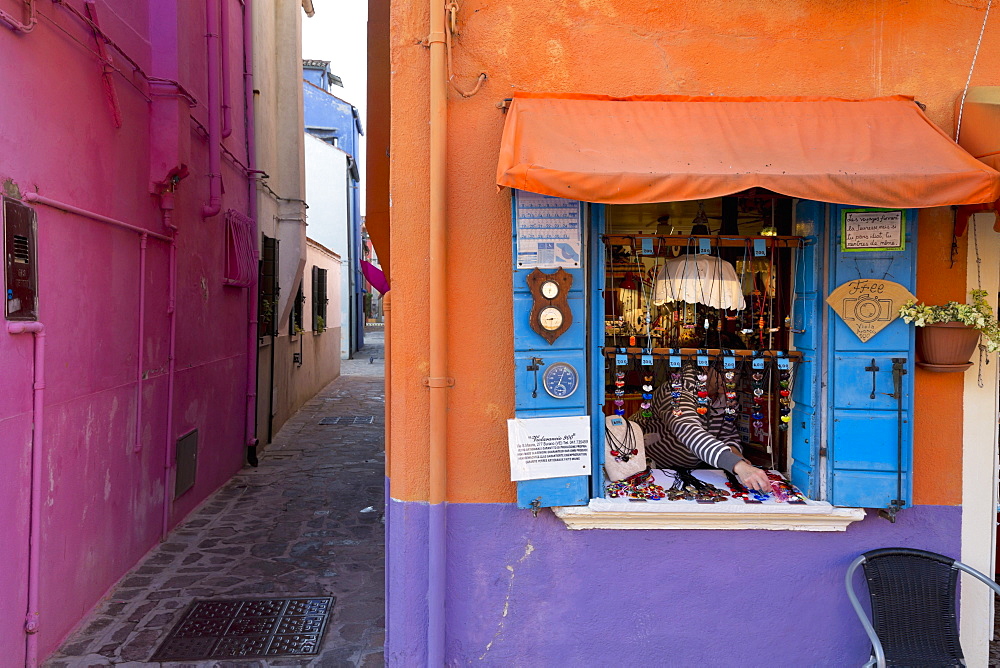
{"x":123,"y":130}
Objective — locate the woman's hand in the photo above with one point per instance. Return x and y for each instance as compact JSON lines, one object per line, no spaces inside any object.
{"x":752,"y":477}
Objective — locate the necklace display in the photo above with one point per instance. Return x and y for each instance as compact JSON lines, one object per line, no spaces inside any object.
{"x":676,"y":385}
{"x":619,"y":392}
{"x":732,"y":402}
{"x":638,"y":486}
{"x":647,"y":397}
{"x":624,"y":449}
{"x":701,"y":392}
{"x":785,"y":396}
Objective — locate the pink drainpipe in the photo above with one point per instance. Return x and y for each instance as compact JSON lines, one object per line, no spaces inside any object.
{"x":35,"y":530}
{"x":18,"y":26}
{"x":214,"y":130}
{"x":227,"y":107}
{"x":167,"y":207}
{"x":251,"y":421}
{"x":137,"y":446}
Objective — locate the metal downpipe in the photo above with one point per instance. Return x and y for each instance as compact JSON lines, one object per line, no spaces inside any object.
{"x":437,"y":382}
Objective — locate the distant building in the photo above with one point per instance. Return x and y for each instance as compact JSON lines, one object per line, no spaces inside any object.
{"x":334,"y":129}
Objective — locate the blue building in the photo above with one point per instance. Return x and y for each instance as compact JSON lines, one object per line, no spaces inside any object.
{"x":338,"y":124}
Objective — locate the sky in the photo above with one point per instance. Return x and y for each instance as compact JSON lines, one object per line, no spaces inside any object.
{"x":338,"y":32}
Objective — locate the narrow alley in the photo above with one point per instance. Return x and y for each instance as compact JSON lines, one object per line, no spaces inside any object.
{"x":306,"y":523}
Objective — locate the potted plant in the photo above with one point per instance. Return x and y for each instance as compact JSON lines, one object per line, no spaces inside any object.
{"x":947,"y":335}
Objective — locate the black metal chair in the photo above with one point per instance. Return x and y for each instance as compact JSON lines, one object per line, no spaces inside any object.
{"x":913,"y":597}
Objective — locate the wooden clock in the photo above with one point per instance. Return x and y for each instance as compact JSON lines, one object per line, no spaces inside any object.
{"x":550,"y":312}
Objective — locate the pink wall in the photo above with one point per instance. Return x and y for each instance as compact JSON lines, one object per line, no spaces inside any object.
{"x":102,"y":502}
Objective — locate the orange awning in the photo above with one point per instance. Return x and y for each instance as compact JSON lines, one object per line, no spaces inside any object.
{"x":881,"y":152}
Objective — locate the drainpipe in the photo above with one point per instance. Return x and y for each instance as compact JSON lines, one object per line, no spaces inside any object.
{"x":17,"y":26}
{"x":251,"y":419}
{"x":214,"y":130}
{"x":227,"y":107}
{"x":35,"y":522}
{"x":137,"y":446}
{"x":437,"y":381}
{"x":167,"y":208}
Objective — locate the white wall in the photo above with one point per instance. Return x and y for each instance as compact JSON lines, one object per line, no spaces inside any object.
{"x":327,"y":218}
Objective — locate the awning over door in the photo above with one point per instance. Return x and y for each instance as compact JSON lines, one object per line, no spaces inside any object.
{"x":880,"y":152}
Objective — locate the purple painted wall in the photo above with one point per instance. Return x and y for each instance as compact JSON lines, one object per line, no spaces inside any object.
{"x":101,"y":500}
{"x":527,"y":591}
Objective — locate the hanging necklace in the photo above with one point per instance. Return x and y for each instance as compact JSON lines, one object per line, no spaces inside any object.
{"x":676,"y":385}
{"x":624,"y":449}
{"x":732,"y":402}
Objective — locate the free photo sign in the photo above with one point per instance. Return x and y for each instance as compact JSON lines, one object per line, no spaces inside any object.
{"x":872,"y":230}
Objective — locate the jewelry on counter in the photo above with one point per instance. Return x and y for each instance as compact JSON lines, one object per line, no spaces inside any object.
{"x":785,"y":491}
{"x":699,"y":490}
{"x":638,"y":486}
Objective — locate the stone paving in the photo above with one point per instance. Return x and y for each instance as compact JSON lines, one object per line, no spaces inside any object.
{"x":308,"y":521}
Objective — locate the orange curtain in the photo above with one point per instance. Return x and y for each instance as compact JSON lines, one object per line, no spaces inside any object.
{"x":881,"y":152}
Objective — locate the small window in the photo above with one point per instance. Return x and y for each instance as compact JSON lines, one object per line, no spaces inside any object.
{"x":267,"y":284}
{"x":239,"y":249}
{"x":319,"y":299}
{"x":295,"y":317}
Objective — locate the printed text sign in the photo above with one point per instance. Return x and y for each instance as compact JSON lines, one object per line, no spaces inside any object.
{"x":549,"y":447}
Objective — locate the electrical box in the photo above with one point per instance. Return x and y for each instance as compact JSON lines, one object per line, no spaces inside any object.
{"x":20,"y":260}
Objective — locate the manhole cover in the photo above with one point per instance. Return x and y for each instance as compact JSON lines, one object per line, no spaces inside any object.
{"x":214,"y":629}
{"x":357,"y":419}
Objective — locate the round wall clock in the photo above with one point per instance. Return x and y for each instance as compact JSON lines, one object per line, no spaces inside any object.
{"x":560,"y":380}
{"x":550,"y":318}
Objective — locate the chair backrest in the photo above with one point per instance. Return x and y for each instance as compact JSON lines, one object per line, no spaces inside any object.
{"x":913,"y":602}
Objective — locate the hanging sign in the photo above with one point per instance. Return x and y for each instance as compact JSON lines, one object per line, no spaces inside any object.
{"x":872,"y":230}
{"x":868,"y":305}
{"x":549,"y":447}
{"x":548,"y":231}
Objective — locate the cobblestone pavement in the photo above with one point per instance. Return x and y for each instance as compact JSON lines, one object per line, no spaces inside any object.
{"x":307,"y":521}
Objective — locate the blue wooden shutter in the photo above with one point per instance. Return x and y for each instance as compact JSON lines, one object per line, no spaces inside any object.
{"x":862,"y":432}
{"x":571,"y":348}
{"x":807,"y":320}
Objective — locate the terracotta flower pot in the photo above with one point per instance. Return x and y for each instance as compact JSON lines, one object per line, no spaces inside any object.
{"x":946,"y":343}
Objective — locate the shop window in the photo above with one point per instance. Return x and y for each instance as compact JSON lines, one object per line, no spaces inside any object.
{"x":665,"y":292}
{"x":319,"y":299}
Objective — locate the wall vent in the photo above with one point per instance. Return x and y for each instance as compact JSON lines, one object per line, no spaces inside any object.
{"x":186,"y":463}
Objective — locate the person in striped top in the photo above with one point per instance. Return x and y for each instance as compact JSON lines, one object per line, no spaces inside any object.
{"x":690,"y":440}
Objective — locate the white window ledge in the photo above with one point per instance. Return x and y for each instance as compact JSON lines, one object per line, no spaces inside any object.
{"x":624,"y":514}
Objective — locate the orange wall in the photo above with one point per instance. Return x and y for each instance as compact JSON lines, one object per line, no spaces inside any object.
{"x":621,"y":47}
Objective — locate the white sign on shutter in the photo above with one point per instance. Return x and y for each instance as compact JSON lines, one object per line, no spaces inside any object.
{"x":549,"y":447}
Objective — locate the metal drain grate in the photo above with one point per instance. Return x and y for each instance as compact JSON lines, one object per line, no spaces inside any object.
{"x":214,"y":629}
{"x":357,"y":419}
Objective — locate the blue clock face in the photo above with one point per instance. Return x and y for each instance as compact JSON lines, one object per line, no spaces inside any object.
{"x":560,"y":380}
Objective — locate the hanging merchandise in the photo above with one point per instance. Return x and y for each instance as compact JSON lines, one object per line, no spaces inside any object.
{"x":624,"y":451}
{"x":701,"y":279}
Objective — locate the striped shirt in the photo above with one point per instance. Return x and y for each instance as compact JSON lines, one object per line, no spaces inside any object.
{"x":689,"y":440}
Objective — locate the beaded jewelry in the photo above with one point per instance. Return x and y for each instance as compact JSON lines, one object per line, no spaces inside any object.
{"x":785,"y":491}
{"x":619,"y":393}
{"x":785,"y":396}
{"x":676,"y":385}
{"x":638,"y":486}
{"x":732,"y":402}
{"x":701,"y":392}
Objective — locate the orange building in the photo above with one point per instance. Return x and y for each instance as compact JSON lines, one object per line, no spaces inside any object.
{"x":815,"y":142}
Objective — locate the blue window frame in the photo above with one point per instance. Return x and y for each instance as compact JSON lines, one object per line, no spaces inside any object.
{"x":843,"y":444}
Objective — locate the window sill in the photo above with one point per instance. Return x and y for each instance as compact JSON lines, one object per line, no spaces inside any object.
{"x":623,"y":514}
